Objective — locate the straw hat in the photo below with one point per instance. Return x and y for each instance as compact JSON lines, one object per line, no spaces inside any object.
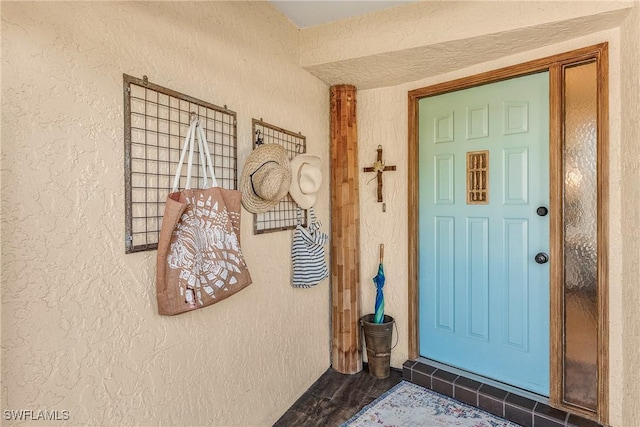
{"x":266,"y":178}
{"x":306,"y":179}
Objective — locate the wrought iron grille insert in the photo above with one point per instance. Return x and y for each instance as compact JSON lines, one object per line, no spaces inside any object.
{"x":156,"y":120}
{"x":283,"y":216}
{"x":478,"y":177}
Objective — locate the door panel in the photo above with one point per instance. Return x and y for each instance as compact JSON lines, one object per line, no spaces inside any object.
{"x":483,"y":300}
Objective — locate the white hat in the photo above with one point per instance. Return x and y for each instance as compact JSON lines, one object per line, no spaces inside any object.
{"x":306,"y":179}
{"x":266,"y":178}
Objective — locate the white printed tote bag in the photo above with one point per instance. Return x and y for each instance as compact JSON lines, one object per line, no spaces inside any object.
{"x":200,"y":261}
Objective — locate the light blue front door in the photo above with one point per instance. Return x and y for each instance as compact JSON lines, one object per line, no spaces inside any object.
{"x":484,"y":172}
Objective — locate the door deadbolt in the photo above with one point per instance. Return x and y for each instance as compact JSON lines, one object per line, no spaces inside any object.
{"x":542,"y":258}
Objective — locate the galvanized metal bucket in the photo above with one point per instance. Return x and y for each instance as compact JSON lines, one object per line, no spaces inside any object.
{"x":377,"y":338}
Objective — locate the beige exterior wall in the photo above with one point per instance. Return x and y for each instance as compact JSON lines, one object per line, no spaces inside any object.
{"x":429,"y":38}
{"x":80,"y":330}
{"x":630,"y":224}
{"x":413,"y":25}
{"x":79,"y":325}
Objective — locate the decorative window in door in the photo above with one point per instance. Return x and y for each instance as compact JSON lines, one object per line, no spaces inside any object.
{"x":478,"y":177}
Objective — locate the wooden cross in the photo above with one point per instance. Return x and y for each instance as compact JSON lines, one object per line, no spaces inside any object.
{"x":379,"y":167}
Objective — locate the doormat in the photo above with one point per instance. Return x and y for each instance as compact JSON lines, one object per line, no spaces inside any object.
{"x":409,"y":405}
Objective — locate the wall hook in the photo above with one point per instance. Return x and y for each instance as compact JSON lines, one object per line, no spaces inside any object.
{"x":259,"y":139}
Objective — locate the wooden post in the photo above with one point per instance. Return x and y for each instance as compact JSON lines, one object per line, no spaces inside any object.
{"x":346,"y":350}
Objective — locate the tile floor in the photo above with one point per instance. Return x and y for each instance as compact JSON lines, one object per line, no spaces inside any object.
{"x":524,"y":410}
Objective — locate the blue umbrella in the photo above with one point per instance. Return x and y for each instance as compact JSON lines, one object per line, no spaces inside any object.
{"x":378,"y":316}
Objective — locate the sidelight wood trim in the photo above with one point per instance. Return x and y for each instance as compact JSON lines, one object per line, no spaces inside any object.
{"x":603,"y":235}
{"x":346,"y":349}
{"x":600,"y":56}
{"x":413,"y":252}
{"x":553,"y":64}
{"x":556,"y":236}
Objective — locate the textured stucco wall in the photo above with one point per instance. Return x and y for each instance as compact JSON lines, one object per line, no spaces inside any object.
{"x":80,"y":331}
{"x":382,"y":119}
{"x":630,"y":224}
{"x":409,"y":25}
{"x":429,"y":38}
{"x":79,"y":327}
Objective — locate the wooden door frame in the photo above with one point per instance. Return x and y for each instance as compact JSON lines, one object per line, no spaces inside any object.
{"x":554,"y":65}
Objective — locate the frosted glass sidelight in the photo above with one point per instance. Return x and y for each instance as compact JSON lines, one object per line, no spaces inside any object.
{"x":580,"y":236}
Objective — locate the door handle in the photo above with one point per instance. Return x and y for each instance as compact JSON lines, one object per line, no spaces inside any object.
{"x":542,"y":258}
{"x":542,"y":211}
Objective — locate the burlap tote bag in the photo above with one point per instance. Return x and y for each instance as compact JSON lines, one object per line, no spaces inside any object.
{"x":200,"y":261}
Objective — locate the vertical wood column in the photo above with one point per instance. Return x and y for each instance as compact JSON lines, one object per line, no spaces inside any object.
{"x":346,"y":351}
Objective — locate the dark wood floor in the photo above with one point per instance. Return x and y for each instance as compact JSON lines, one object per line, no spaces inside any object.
{"x":335,"y":398}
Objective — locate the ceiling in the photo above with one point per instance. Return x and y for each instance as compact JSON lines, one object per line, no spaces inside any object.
{"x":307,"y":13}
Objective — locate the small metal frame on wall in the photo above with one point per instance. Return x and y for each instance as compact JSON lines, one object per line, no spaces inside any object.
{"x":284,"y":215}
{"x":156,"y":120}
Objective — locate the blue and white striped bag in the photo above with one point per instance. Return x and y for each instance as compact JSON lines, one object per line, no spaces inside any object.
{"x":307,"y":253}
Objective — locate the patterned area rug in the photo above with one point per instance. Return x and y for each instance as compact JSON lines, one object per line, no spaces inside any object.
{"x":409,"y":405}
